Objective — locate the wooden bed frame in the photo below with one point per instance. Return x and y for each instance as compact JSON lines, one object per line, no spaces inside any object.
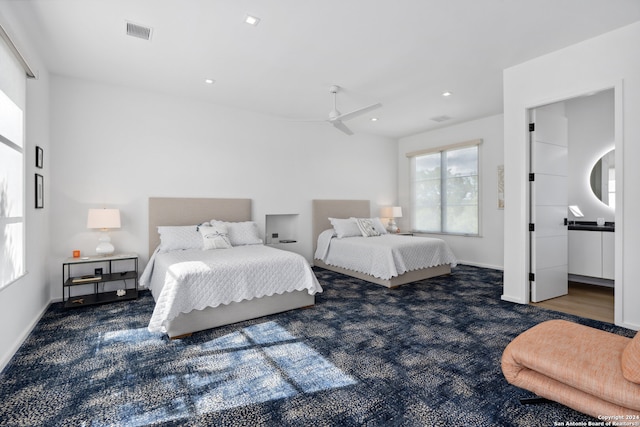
{"x":323,"y":209}
{"x":188,"y":211}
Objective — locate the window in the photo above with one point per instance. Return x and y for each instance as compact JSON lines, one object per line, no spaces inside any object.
{"x":445,"y":189}
{"x":11,"y":192}
{"x":12,"y":176}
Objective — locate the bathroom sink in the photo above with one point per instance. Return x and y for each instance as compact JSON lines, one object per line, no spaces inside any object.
{"x":592,"y":226}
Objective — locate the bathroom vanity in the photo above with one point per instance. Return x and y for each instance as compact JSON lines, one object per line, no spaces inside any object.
{"x":591,"y":252}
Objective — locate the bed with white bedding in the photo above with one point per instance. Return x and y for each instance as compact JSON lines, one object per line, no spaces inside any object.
{"x":386,"y":259}
{"x":186,"y":280}
{"x":197,"y":289}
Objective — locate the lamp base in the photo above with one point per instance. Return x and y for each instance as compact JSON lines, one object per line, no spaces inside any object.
{"x":104,"y":247}
{"x":392,"y":227}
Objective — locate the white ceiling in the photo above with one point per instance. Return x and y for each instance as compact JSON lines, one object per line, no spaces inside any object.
{"x":403,"y":53}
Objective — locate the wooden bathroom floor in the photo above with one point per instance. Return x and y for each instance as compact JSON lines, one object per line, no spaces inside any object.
{"x":590,"y":301}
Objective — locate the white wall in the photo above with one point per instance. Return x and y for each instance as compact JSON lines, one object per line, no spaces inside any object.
{"x":591,"y":135}
{"x":607,"y":61}
{"x":115,"y":147}
{"x":486,"y":250}
{"x":24,"y":301}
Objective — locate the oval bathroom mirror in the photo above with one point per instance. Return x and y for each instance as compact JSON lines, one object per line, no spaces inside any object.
{"x":603,"y":179}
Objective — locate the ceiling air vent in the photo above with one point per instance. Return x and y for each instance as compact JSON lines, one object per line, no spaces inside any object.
{"x":139,"y":31}
{"x":440,"y":119}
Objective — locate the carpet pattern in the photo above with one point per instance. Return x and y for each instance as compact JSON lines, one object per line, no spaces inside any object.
{"x":424,"y":354}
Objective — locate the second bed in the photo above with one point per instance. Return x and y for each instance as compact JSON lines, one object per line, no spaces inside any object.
{"x":386,"y":259}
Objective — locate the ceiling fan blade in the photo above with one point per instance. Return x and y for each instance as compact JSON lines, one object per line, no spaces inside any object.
{"x":341,"y":126}
{"x":359,"y":111}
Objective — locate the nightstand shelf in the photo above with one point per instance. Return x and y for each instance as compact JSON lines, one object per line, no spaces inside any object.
{"x":281,"y":229}
{"x":108,"y":264}
{"x":100,"y":298}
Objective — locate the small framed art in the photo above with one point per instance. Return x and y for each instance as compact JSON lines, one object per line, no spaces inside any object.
{"x":39,"y":191}
{"x":39,"y":157}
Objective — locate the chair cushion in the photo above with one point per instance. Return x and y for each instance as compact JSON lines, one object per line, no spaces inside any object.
{"x":573,"y":364}
{"x":631,"y":360}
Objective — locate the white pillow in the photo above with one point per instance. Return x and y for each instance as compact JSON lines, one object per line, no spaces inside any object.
{"x":175,"y":238}
{"x":366,"y":227}
{"x":345,"y":227}
{"x":215,"y":237}
{"x":377,"y":225}
{"x":241,"y":233}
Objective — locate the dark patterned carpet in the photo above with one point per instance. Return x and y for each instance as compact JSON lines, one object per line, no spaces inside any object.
{"x":425,"y":354}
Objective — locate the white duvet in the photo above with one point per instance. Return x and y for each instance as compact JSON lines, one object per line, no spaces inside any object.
{"x":186,"y":280}
{"x":384,"y":256}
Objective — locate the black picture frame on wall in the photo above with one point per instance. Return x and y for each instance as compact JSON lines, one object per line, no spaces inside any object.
{"x":39,"y":191}
{"x":39,"y":157}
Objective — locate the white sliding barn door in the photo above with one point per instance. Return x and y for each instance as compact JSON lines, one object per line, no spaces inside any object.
{"x":548,"y":206}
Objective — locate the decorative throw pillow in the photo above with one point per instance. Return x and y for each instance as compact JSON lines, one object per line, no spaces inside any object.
{"x":242,"y":233}
{"x":631,"y":360}
{"x":174,"y":238}
{"x":379,"y":226}
{"x":366,"y":227}
{"x":215,"y":237}
{"x":345,"y":227}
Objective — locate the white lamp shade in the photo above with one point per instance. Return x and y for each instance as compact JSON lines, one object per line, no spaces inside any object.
{"x":391,"y":212}
{"x":103,"y":218}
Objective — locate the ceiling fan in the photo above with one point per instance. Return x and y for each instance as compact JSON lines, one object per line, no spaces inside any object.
{"x":336,"y":117}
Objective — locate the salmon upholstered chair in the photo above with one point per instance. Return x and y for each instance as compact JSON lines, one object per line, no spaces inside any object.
{"x":592,"y":371}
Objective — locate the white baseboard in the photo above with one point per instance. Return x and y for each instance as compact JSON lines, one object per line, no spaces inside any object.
{"x":591,"y":280}
{"x":511,"y":299}
{"x":631,"y":326}
{"x":12,"y":351}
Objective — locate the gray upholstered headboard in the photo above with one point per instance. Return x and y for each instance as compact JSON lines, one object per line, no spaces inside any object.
{"x":188,"y":211}
{"x":323,"y":209}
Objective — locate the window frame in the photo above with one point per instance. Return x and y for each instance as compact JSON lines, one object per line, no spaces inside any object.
{"x":16,"y":147}
{"x":442,"y":150}
{"x":13,"y":87}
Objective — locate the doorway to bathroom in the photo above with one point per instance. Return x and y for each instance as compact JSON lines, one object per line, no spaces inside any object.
{"x":574,"y":248}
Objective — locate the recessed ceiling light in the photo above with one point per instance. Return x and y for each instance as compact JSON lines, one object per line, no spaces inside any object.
{"x":251,"y":20}
{"x":447,"y":93}
{"x":374,"y":119}
{"x":209,"y":81}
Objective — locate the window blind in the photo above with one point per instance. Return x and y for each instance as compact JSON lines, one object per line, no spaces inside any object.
{"x":445,"y":189}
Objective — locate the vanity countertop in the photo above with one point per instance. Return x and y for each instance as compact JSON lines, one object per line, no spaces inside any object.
{"x":591,"y":226}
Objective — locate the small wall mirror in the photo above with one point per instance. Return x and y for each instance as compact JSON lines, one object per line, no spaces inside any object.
{"x":603,"y":179}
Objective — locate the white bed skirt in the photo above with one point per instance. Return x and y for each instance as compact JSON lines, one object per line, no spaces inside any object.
{"x":407,"y":277}
{"x":200,"y":320}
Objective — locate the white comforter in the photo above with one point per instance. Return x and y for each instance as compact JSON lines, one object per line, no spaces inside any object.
{"x":383,"y":256}
{"x":186,"y":280}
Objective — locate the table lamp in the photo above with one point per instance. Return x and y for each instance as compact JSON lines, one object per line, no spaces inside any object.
{"x":392,"y":212}
{"x":104,"y":219}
